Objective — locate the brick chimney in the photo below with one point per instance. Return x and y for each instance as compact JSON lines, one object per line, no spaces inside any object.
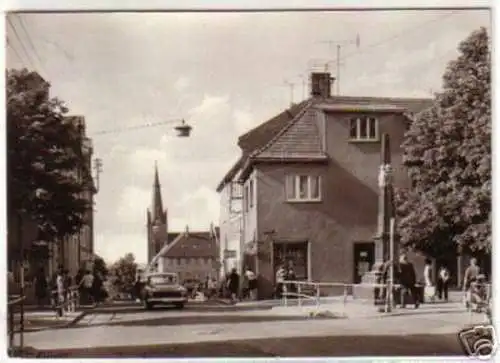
{"x":321,"y":84}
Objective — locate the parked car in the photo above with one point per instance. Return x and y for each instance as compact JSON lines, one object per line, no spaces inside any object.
{"x":163,"y":288}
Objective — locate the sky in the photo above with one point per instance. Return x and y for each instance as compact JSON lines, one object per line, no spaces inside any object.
{"x":224,"y":73}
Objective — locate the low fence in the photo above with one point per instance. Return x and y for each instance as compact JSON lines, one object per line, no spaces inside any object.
{"x":15,"y":305}
{"x":308,"y":292}
{"x":16,"y":314}
{"x":300,"y":291}
{"x":67,"y":303}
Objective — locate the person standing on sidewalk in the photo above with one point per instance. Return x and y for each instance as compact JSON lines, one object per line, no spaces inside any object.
{"x":442,"y":283}
{"x":429,"y":288}
{"x":41,"y":287}
{"x":87,"y":283}
{"x":280,"y":281}
{"x":408,"y":279}
{"x":252,"y":283}
{"x":470,"y":276}
{"x":233,"y":284}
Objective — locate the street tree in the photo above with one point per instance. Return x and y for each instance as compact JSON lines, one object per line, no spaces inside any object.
{"x":44,"y":154}
{"x":124,"y":271}
{"x":100,"y":266}
{"x":447,"y":151}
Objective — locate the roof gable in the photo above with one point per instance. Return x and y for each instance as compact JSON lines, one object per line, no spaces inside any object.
{"x":265,"y":132}
{"x":299,"y":139}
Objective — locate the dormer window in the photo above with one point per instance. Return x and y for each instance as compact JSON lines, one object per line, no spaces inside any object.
{"x":363,"y":129}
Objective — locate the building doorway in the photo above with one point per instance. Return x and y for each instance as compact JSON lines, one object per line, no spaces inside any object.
{"x":364,"y":258}
{"x":292,"y":254}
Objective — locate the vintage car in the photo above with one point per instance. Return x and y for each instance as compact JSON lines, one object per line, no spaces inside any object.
{"x":163,"y":288}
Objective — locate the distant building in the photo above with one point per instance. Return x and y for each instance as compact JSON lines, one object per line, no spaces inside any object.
{"x":192,"y":255}
{"x":310,"y":191}
{"x":77,"y":251}
{"x":157,"y":221}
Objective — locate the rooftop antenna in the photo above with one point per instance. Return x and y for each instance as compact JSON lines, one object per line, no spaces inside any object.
{"x":339,"y":45}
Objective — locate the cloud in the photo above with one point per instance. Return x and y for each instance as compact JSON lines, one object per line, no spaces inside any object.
{"x":182,"y":84}
{"x":131,"y":211}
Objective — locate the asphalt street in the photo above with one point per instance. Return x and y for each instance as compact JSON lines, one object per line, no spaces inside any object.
{"x":333,"y":346}
{"x":168,"y":332}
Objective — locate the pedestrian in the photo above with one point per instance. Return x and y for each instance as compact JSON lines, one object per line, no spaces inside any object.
{"x":429,"y":288}
{"x":87,"y":283}
{"x":212,"y":288}
{"x":290,"y":276}
{"x":97,"y":286}
{"x":41,"y":287}
{"x":252,"y":283}
{"x":280,"y":281}
{"x":233,"y":285}
{"x":407,"y":279}
{"x":442,"y":283}
{"x":60,"y":291}
{"x":470,"y":275}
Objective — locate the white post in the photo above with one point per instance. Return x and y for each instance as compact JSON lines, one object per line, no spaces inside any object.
{"x":299,"y":293}
{"x":391,"y":267}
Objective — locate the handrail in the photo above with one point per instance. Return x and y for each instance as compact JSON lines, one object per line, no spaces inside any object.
{"x":317,"y":285}
{"x":16,"y":301}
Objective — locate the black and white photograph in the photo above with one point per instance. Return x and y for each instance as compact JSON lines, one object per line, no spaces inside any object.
{"x":254,"y":182}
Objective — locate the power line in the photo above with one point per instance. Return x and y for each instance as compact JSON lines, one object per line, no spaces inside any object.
{"x":28,"y":37}
{"x":15,"y":50}
{"x":20,"y":42}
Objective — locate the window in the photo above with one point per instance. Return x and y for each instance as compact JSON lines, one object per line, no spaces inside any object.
{"x":303,"y":188}
{"x":363,"y":128}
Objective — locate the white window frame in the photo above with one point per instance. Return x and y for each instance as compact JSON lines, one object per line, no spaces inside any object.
{"x":358,"y":128}
{"x":296,"y":195}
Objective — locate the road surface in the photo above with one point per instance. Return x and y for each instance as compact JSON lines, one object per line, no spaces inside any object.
{"x":171,"y":333}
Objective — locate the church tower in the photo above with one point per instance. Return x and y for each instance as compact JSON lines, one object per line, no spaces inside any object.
{"x":156,"y":220}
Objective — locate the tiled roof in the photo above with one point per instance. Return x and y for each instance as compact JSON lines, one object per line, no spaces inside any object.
{"x":190,"y":244}
{"x":231,"y":173}
{"x":171,"y":236}
{"x":262,"y":134}
{"x":259,"y":137}
{"x":299,"y":139}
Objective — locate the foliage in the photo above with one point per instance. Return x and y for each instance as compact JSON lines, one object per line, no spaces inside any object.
{"x":447,"y":151}
{"x":100,"y":266}
{"x":124,"y":271}
{"x":44,"y":153}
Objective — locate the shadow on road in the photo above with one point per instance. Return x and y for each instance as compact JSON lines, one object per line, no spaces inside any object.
{"x":338,"y":346}
{"x":198,"y":320}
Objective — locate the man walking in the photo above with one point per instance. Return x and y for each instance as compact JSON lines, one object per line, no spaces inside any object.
{"x":233,"y":285}
{"x":408,"y":279}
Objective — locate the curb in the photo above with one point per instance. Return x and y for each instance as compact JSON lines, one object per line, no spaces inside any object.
{"x":62,"y":325}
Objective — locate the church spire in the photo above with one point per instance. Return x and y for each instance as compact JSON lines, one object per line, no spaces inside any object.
{"x":157,"y":206}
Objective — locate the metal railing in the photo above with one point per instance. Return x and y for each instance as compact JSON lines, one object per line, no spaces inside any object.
{"x":15,"y":302}
{"x":312,"y":291}
{"x":66,"y":304}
